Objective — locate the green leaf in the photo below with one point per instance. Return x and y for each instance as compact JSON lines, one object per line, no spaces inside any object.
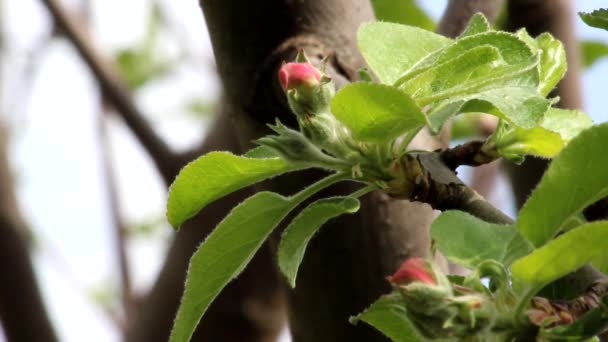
{"x":405,"y":12}
{"x":568,"y":123}
{"x":391,"y":49}
{"x":224,"y":255}
{"x":597,"y":18}
{"x":301,"y":230}
{"x":468,"y":241}
{"x":560,"y":256}
{"x":472,"y":65}
{"x":558,"y":127}
{"x":440,"y":113}
{"x":389,"y":316}
{"x":593,"y":51}
{"x":521,"y":106}
{"x":518,"y":62}
{"x":477,"y":24}
{"x":576,"y":178}
{"x":376,"y":112}
{"x":261,"y":152}
{"x":553,"y":63}
{"x":512,"y":49}
{"x":537,"y":141}
{"x":492,"y":72}
{"x":230,"y":247}
{"x":465,"y":126}
{"x":213,"y":176}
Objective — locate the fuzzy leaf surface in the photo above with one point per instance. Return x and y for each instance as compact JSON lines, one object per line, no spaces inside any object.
{"x":560,"y":256}
{"x":389,"y":316}
{"x":467,"y":240}
{"x":213,"y":176}
{"x":376,"y":112}
{"x":576,"y":178}
{"x":300,"y":231}
{"x":224,"y":255}
{"x":391,"y":49}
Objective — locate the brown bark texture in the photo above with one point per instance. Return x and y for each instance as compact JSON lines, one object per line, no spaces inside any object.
{"x":345,"y":265}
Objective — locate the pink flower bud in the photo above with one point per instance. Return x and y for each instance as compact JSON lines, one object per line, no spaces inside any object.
{"x":295,"y":75}
{"x":414,"y":270}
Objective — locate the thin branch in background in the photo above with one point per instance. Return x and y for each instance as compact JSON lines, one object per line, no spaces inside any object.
{"x":116,"y":92}
{"x":118,"y":226}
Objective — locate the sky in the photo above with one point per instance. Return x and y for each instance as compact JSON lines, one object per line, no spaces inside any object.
{"x":57,"y":158}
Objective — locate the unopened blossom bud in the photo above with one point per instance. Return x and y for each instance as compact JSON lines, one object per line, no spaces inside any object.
{"x":414,"y":270}
{"x":299,"y":75}
{"x":309,"y":90}
{"x":292,"y":145}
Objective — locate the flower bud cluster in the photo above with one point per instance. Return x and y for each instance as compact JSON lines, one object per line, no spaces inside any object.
{"x":435,"y":306}
{"x":293,"y":146}
{"x":309,"y":93}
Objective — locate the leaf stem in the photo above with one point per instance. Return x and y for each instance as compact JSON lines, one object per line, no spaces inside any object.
{"x":318,"y":186}
{"x":363,"y":191}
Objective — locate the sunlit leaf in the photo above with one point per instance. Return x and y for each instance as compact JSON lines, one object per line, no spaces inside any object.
{"x":213,"y":176}
{"x":568,"y":123}
{"x":536,"y":141}
{"x":224,"y":255}
{"x":576,"y":178}
{"x":391,"y":49}
{"x":521,"y":106}
{"x":468,"y":67}
{"x":553,"y":63}
{"x":560,"y":256}
{"x":477,"y":24}
{"x":405,"y":12}
{"x":376,"y":112}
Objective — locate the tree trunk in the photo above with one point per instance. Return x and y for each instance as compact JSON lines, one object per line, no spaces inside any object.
{"x":345,"y":265}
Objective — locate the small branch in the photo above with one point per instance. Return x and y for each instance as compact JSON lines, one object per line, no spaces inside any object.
{"x":114,"y":89}
{"x":589,"y":300}
{"x":117,"y":226}
{"x":427,"y":178}
{"x":470,"y":154}
{"x":585,"y":314}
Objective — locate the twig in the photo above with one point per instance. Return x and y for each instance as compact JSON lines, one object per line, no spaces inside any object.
{"x":470,"y":154}
{"x":425,"y":177}
{"x":114,"y":89}
{"x":117,"y":225}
